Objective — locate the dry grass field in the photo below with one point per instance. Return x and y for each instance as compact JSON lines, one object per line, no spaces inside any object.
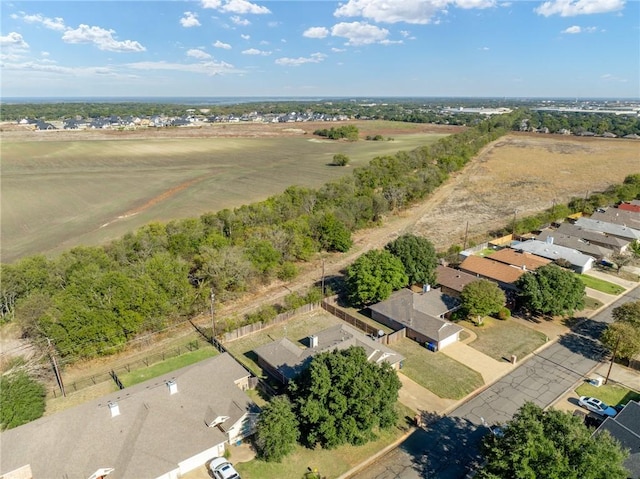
{"x":61,"y":188}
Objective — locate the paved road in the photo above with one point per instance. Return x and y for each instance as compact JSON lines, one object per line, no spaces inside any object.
{"x":449,"y":448}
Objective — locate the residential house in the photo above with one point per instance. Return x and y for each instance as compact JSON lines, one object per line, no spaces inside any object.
{"x":452,"y":281}
{"x":422,"y":315}
{"x":614,"y":243}
{"x":625,"y":427}
{"x":611,"y":229}
{"x":284,"y":360}
{"x":629,"y":207}
{"x":618,"y":216}
{"x":579,"y":262}
{"x":503,"y":274}
{"x":579,"y":244}
{"x":523,"y":261}
{"x":161,"y":428}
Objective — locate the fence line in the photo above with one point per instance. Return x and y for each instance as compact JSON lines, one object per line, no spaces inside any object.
{"x":108,"y":375}
{"x":280,"y":318}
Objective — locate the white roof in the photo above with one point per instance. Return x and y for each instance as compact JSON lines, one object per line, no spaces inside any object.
{"x":554,"y":252}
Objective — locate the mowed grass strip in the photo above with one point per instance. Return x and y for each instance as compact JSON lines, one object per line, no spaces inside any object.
{"x":296,"y":330}
{"x":611,"y":394}
{"x":501,"y":339}
{"x":166,"y":366}
{"x":601,"y":285}
{"x":330,"y":463}
{"x":440,"y":374}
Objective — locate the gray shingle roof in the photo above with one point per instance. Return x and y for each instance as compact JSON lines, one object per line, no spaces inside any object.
{"x":594,"y":236}
{"x":154,"y":432}
{"x":625,"y":427}
{"x":290,"y":359}
{"x":554,"y":252}
{"x":609,"y":228}
{"x":576,"y":243}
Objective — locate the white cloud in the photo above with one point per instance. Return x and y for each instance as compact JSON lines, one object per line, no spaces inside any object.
{"x":407,"y":11}
{"x":190,"y":19}
{"x":208,"y":68}
{"x":391,"y":42}
{"x":199,"y":54}
{"x":338,"y":50}
{"x":484,"y":49}
{"x":570,"y":8}
{"x":224,"y":46}
{"x":13,"y":40}
{"x":44,"y":54}
{"x":242,"y":7}
{"x":296,"y":62}
{"x":358,"y":33}
{"x":51,"y":23}
{"x":610,"y":77}
{"x":577,"y":29}
{"x":101,"y":38}
{"x":245,"y":37}
{"x":255,"y":51}
{"x":48,"y":67}
{"x":316,"y":32}
{"x":243,"y":22}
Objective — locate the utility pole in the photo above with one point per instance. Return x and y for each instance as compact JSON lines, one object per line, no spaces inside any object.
{"x":213,"y":323}
{"x":466,"y":234}
{"x":323,"y":277}
{"x":56,"y":369}
{"x":613,"y":358}
{"x":513,"y":230}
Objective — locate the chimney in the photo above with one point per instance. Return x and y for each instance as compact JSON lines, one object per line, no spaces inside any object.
{"x":313,"y":341}
{"x":114,"y":408}
{"x":173,"y":387}
{"x":549,"y":239}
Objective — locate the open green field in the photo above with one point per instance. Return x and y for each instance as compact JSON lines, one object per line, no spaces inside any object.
{"x":601,"y":285}
{"x":59,"y":194}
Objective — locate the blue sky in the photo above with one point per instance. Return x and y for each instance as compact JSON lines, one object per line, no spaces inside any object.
{"x":219,"y":48}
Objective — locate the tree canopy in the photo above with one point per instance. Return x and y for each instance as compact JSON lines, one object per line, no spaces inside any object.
{"x":418,"y":257}
{"x":482,"y":298}
{"x":277,"y":430}
{"x":551,"y":290}
{"x":552,"y":445}
{"x":623,"y":335}
{"x":373,"y":277}
{"x":341,"y":398}
{"x":22,"y":399}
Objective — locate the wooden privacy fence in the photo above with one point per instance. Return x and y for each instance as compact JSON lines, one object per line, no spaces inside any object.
{"x":248,"y":329}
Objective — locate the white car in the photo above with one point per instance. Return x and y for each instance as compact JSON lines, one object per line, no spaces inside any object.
{"x":222,"y":469}
{"x":597,"y":406}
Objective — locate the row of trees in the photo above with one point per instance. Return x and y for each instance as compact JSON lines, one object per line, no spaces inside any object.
{"x":91,"y":300}
{"x":347,"y":132}
{"x":341,"y":398}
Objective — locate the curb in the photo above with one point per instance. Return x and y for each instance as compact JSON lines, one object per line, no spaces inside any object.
{"x":377,"y":455}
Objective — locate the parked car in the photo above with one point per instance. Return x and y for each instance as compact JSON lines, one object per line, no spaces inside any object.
{"x":222,"y":469}
{"x":597,"y":406}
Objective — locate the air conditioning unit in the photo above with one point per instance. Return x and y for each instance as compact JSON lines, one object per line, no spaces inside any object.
{"x":597,"y":381}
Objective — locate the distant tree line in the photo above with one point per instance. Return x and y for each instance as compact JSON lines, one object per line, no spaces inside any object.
{"x":577,"y":123}
{"x":347,"y":132}
{"x":90,"y":301}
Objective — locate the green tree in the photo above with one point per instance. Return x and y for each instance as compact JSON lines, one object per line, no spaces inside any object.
{"x":623,"y":338}
{"x":628,"y":313}
{"x":553,"y":445}
{"x":22,"y":399}
{"x":481,"y":298}
{"x":342,"y":398}
{"x":621,"y":260}
{"x":333,"y":235}
{"x":277,"y":430}
{"x":374,"y":276}
{"x":634,"y":248}
{"x":340,"y":159}
{"x":551,"y":290}
{"x":418,"y":257}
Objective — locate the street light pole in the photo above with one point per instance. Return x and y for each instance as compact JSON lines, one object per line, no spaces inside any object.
{"x":613,"y":358}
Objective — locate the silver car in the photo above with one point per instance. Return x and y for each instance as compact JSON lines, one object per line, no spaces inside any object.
{"x":597,"y":406}
{"x":222,"y":469}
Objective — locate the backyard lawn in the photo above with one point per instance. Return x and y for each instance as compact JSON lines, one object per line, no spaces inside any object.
{"x":328,"y":462}
{"x":601,"y":285}
{"x":166,"y":366}
{"x":440,"y":374}
{"x":612,"y":394}
{"x":501,"y":339}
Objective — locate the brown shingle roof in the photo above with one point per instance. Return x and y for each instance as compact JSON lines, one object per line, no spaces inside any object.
{"x":491,"y":269}
{"x":519,"y":259}
{"x":453,"y":279}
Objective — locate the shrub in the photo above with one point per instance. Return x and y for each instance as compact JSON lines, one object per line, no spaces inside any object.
{"x":504,"y":313}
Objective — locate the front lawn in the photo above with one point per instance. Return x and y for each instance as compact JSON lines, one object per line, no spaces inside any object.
{"x":437,"y":372}
{"x":612,"y":394}
{"x":501,"y":339}
{"x":601,"y":285}
{"x":328,"y":462}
